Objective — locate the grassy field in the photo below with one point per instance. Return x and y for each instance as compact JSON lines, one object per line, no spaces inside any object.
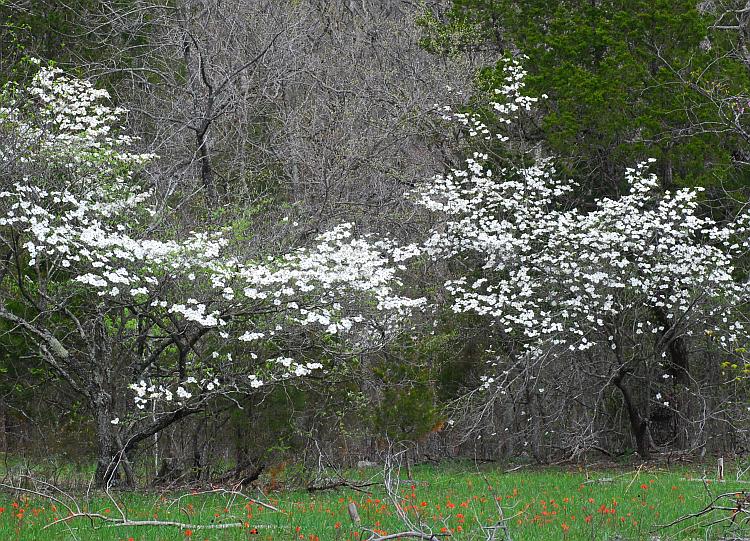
{"x":539,"y":504}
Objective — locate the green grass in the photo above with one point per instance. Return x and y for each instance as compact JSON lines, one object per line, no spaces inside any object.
{"x":539,"y":505}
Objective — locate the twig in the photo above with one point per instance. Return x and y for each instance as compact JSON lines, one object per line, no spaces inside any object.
{"x":637,"y":474}
{"x":342,"y":483}
{"x":127,"y":522}
{"x":707,"y":509}
{"x":74,"y":510}
{"x":415,"y":535}
{"x":600,"y":480}
{"x":231,"y":493}
{"x":502,"y":522}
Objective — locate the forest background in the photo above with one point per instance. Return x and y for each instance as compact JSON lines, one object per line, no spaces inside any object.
{"x":240,"y":136}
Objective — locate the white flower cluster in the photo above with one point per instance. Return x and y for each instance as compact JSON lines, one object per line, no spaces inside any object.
{"x":86,"y":231}
{"x":514,"y":101}
{"x":145,"y":392}
{"x":65,"y":121}
{"x":294,"y":368}
{"x":562,"y":276}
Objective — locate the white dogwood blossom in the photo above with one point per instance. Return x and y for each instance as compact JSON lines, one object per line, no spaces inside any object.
{"x":551,"y":276}
{"x":88,"y":231}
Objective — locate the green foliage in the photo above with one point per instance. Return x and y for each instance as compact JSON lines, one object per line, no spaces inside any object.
{"x":42,"y":29}
{"x":608,"y":68}
{"x":407,"y":410}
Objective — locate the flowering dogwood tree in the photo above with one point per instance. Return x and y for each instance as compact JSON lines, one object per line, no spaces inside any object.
{"x":614,"y":291}
{"x":132,"y":316}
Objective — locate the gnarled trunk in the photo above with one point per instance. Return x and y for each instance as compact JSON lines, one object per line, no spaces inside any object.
{"x":112,"y":456}
{"x":114,"y":446}
{"x":638,"y":424}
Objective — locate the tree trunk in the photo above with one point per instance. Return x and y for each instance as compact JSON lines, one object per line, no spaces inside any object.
{"x":679,"y":369}
{"x":638,"y":425}
{"x":536,"y":430}
{"x":107,"y":462}
{"x":3,"y":432}
{"x":206,"y":168}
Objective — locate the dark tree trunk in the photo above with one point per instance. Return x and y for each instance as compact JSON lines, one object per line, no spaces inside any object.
{"x":679,"y":368}
{"x":109,"y":454}
{"x":3,"y":430}
{"x":638,"y":425}
{"x":112,"y":454}
{"x":677,"y":350}
{"x":206,"y":168}
{"x":113,"y":447}
{"x":200,"y":460}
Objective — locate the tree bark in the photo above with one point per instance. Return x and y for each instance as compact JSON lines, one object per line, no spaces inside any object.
{"x":679,"y":369}
{"x":113,"y":447}
{"x":3,"y":431}
{"x":638,"y":425}
{"x":206,"y":168}
{"x":107,"y":462}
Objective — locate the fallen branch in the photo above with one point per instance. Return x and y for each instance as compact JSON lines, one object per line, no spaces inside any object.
{"x":391,"y":476}
{"x":502,"y":522}
{"x":341,"y":483}
{"x":113,"y":521}
{"x":600,"y":480}
{"x":414,"y":535}
{"x":75,"y":511}
{"x":602,"y":450}
{"x":233,"y":493}
{"x":235,"y":474}
{"x":740,"y":499}
{"x":637,"y":474}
